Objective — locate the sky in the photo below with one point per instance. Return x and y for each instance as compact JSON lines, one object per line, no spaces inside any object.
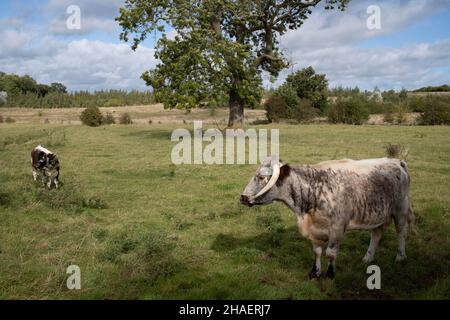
{"x":410,"y":49}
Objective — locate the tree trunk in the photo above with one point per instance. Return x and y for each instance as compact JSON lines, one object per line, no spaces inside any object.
{"x":236,"y":118}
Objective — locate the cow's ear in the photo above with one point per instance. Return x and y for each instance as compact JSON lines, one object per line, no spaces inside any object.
{"x":285,"y":170}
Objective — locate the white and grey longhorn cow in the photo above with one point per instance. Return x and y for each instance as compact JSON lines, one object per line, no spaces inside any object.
{"x":332,"y":197}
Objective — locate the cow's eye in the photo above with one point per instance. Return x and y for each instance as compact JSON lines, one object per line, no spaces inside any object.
{"x":261,"y":177}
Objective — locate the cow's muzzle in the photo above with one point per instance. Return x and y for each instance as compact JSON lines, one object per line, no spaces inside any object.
{"x":245,"y":200}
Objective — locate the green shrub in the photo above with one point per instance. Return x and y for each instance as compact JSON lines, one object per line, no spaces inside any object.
{"x":416,"y":104}
{"x":284,"y":104}
{"x":311,"y":86}
{"x":304,"y":111}
{"x":375,"y":107}
{"x":91,"y":117}
{"x":95,"y":203}
{"x":401,"y":111}
{"x":288,"y":93}
{"x":108,"y":119}
{"x":9,"y":120}
{"x":125,"y":119}
{"x":114,"y":102}
{"x":276,"y":108}
{"x":396,"y":114}
{"x":389,"y":113}
{"x":437,"y":112}
{"x":351,"y":110}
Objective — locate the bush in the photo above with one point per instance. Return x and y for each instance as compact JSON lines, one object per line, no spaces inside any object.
{"x":389,"y":114}
{"x":437,"y":112}
{"x":125,"y":119}
{"x":395,"y":114}
{"x":284,"y":104}
{"x":400,"y":113}
{"x":289,"y":95}
{"x":276,"y":108}
{"x":311,"y":86}
{"x":416,"y":104}
{"x":304,"y":111}
{"x":91,"y":117}
{"x":351,"y":110}
{"x":108,"y":119}
{"x":9,"y":120}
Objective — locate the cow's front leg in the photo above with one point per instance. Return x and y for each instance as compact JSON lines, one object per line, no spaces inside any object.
{"x":316,"y":269}
{"x":34,"y":174}
{"x":49,"y":183}
{"x":335,"y":237}
{"x":374,"y":241}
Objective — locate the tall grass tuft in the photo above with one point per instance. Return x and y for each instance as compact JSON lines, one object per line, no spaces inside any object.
{"x":396,"y":151}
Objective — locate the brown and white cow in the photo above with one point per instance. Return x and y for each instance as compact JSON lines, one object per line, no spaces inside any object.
{"x":335,"y":196}
{"x":45,"y":162}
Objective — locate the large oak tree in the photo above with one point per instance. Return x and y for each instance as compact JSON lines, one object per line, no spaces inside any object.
{"x":212,"y":52}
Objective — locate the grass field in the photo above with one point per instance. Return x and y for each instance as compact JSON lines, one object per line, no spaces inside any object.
{"x":140,"y":227}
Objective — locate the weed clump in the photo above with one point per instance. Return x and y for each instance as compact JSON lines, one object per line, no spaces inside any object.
{"x":396,"y":151}
{"x":125,"y":119}
{"x":108,"y":119}
{"x":148,"y":254}
{"x":68,"y":198}
{"x":5,"y":199}
{"x":9,"y":120}
{"x":95,"y":203}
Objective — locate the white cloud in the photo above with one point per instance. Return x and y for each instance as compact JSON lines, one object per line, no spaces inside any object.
{"x":329,"y":28}
{"x":330,"y":42}
{"x":411,"y":66}
{"x":87,"y":65}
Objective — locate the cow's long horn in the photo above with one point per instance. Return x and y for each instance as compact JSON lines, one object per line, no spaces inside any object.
{"x":272,"y":181}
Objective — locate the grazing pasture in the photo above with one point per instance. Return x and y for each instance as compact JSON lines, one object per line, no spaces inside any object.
{"x":141,"y":227}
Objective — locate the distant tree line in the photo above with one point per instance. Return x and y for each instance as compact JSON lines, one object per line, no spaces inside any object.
{"x":305,"y":95}
{"x":25,"y":92}
{"x":443,"y":88}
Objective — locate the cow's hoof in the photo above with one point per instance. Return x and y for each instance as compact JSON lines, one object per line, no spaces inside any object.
{"x":367,"y":259}
{"x":314,"y":274}
{"x":330,"y":272}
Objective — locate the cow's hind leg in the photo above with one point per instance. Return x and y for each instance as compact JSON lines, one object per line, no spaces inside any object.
{"x":57,"y":180}
{"x":401,"y":226}
{"x":316,"y":269}
{"x":336,"y":234}
{"x":374,"y":241}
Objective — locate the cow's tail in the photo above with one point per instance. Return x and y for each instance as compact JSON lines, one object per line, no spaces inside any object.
{"x":411,"y":218}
